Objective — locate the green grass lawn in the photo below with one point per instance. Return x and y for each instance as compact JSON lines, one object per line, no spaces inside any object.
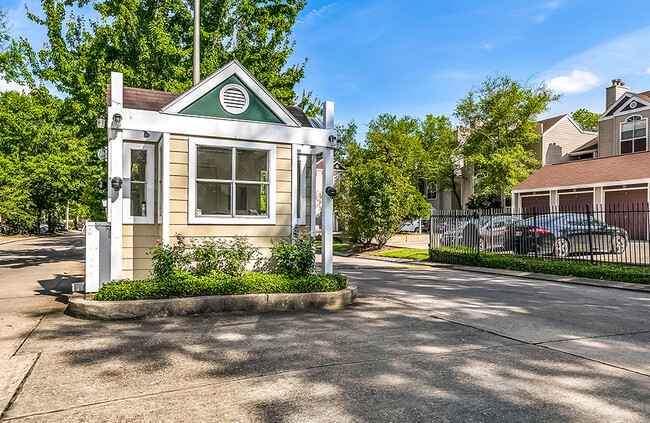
{"x":340,"y":245}
{"x":407,"y":253}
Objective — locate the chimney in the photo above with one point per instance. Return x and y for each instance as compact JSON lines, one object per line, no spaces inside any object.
{"x":614,"y":92}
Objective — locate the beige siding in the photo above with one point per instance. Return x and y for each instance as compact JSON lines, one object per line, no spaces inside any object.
{"x":258,"y":235}
{"x":562,"y":140}
{"x":609,"y":133}
{"x":606,"y":138}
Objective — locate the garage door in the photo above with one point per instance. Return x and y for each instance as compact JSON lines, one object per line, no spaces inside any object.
{"x":576,"y":201}
{"x":540,"y":202}
{"x":627,"y":209}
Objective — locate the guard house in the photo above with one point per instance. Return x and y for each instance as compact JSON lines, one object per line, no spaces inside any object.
{"x":224,"y":158}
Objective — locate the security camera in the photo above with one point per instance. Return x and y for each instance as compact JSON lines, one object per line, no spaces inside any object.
{"x":116,"y":183}
{"x":330,"y":191}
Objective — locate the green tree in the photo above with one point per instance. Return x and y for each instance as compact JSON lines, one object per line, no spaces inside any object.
{"x":397,"y":142}
{"x":347,"y":138}
{"x":374,"y":199}
{"x":444,"y":153}
{"x":587,"y":120}
{"x":151,"y":43}
{"x":42,"y":160}
{"x":500,"y":117}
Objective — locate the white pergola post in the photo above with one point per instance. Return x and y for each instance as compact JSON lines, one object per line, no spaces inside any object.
{"x":166,"y":161}
{"x":327,"y":211}
{"x":115,"y":198}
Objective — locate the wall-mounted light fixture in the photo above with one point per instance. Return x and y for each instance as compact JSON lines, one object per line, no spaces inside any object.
{"x":116,"y":183}
{"x":117,"y":119}
{"x":333,"y":141}
{"x":101,"y":122}
{"x":102,"y":184}
{"x":102,"y":154}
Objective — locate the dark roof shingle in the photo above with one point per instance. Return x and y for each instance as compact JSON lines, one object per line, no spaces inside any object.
{"x":548,"y":123}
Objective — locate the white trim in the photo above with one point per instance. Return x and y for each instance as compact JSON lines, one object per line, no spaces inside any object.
{"x":594,"y":133}
{"x":548,"y":194}
{"x":620,"y":134}
{"x":630,"y":98}
{"x":312,"y":197}
{"x":624,"y":189}
{"x":159,"y":182}
{"x":166,"y":185}
{"x":212,"y":81}
{"x":544,"y":131}
{"x":150,"y":183}
{"x":294,"y":184}
{"x":202,"y":126}
{"x":599,"y":184}
{"x":228,"y":220}
{"x":301,"y":206}
{"x":115,"y":201}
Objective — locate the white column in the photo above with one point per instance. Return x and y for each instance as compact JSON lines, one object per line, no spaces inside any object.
{"x":166,"y":162}
{"x":312,"y":213}
{"x":327,"y":211}
{"x":295,"y":180}
{"x":115,"y":159}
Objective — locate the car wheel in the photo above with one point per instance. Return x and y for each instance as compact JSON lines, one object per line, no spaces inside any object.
{"x":561,"y":248}
{"x":619,"y":244}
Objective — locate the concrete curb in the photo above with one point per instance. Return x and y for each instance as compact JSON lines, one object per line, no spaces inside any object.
{"x":515,"y":273}
{"x":138,"y":309}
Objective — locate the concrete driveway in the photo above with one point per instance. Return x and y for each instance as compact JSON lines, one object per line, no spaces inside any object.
{"x":421,"y":345}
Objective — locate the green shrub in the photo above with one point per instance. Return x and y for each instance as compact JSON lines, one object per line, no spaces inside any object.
{"x":294,"y":255}
{"x":605,"y":271}
{"x":218,"y":283}
{"x":168,"y":260}
{"x":229,"y":257}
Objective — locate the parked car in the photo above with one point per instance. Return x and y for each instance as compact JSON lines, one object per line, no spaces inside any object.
{"x":484,"y":233}
{"x":563,"y":234}
{"x":414,"y":226}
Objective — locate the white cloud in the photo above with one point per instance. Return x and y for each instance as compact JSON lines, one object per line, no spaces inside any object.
{"x":625,"y":56}
{"x":544,"y":9}
{"x":11,"y":86}
{"x":576,"y":82}
{"x":316,"y":14}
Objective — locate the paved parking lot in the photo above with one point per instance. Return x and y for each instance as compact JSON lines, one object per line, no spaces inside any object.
{"x":420,"y":345}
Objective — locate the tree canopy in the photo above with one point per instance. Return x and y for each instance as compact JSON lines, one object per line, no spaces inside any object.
{"x":500,"y":117}
{"x":587,"y":120}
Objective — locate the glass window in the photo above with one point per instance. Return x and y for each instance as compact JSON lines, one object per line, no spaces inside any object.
{"x":138,"y":183}
{"x":633,"y":135}
{"x":224,"y":191}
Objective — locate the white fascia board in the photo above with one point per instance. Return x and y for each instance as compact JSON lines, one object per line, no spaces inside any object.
{"x":644,"y":107}
{"x":594,"y":133}
{"x":130,"y":135}
{"x":140,"y":120}
{"x":599,"y":184}
{"x":628,"y":94}
{"x":212,"y":81}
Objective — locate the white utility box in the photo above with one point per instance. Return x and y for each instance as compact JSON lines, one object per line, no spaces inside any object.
{"x":98,"y":255}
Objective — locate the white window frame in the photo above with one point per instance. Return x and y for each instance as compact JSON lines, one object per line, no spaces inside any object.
{"x":150,"y":183}
{"x":620,"y":134}
{"x":193,"y":219}
{"x":301,"y":200}
{"x":160,"y":178}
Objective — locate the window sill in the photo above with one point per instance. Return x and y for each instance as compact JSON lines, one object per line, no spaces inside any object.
{"x":213,"y":220}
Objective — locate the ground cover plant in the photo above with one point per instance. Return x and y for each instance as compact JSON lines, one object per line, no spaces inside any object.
{"x":218,"y":267}
{"x":604,"y":271}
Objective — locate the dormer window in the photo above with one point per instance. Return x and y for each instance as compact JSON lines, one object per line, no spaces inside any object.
{"x":634,"y":135}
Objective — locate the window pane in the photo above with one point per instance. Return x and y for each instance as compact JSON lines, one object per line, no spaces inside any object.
{"x":252,"y":200}
{"x":212,"y":198}
{"x":638,"y":133}
{"x":138,"y":165}
{"x":626,"y":147}
{"x":639,"y":124}
{"x":138,"y":199}
{"x":214,"y":163}
{"x":252,"y":165}
{"x":639,"y":145}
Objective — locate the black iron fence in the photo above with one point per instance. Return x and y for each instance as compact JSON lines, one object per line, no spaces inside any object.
{"x":603,"y":234}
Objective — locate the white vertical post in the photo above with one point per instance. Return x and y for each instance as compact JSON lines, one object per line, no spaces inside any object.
{"x":295,"y":180}
{"x":327,"y":211}
{"x":116,"y":198}
{"x":166,"y":162}
{"x":196,"y":74}
{"x":67,"y":216}
{"x":312,"y":213}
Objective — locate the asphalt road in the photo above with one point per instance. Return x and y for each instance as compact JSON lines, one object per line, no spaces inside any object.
{"x":420,"y":345}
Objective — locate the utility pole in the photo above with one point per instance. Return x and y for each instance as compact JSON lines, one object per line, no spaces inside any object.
{"x":196,"y":75}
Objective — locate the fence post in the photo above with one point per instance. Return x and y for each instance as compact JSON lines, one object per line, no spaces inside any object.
{"x":591,"y":241}
{"x":535,"y":230}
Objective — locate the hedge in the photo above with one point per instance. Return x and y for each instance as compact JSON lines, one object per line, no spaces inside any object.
{"x":605,"y":271}
{"x":186,"y":285}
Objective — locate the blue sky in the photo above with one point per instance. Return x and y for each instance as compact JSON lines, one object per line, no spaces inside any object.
{"x":419,"y":57}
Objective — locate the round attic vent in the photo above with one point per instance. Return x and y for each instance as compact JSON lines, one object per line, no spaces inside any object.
{"x":234,"y":99}
{"x":633,"y":105}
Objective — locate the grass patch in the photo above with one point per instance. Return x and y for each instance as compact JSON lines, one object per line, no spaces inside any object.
{"x":604,"y":271}
{"x":407,"y":253}
{"x":216,"y":283}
